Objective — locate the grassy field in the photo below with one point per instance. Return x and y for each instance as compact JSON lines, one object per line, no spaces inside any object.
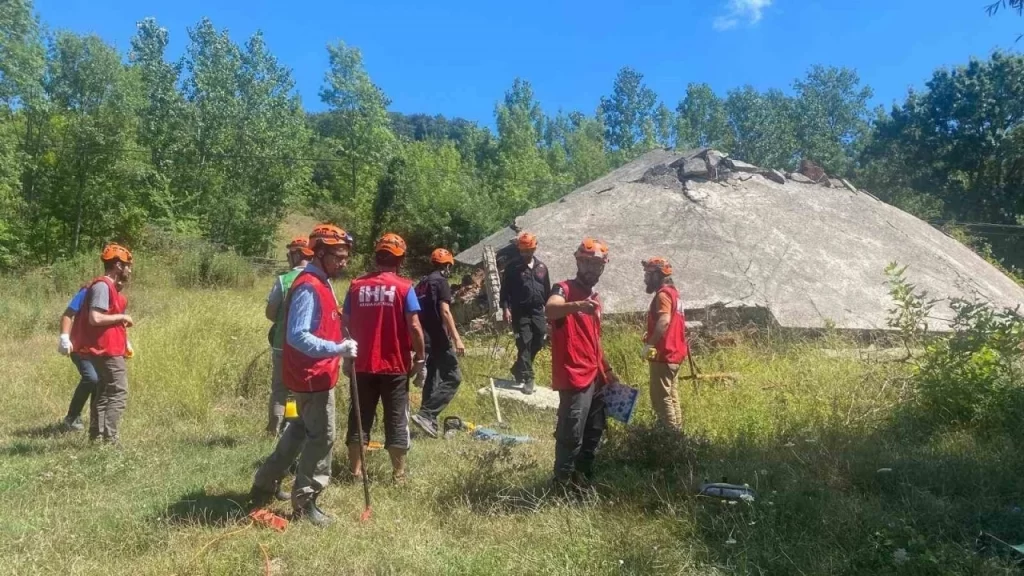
{"x":810,"y":431}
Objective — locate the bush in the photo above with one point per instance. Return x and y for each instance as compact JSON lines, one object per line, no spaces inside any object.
{"x":210,"y":268}
{"x":973,"y":376}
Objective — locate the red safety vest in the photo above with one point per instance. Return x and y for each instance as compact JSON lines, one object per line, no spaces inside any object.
{"x":376,"y":308}
{"x":576,"y":355}
{"x":92,"y":340}
{"x":672,"y":349}
{"x":300,"y":372}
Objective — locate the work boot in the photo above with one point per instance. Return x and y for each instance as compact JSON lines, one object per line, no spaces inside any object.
{"x":310,"y":511}
{"x":70,"y":424}
{"x":282,"y":494}
{"x":528,"y":387}
{"x":260,"y":497}
{"x":425,"y":424}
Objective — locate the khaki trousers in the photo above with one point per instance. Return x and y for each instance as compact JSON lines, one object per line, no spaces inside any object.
{"x":664,"y":399}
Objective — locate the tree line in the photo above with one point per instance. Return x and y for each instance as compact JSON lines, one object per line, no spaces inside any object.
{"x":96,"y":145}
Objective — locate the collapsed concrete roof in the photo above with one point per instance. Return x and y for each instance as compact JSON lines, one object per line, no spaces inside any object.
{"x":809,"y":249}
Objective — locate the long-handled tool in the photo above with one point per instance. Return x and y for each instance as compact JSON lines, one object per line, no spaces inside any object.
{"x":357,"y":408}
{"x":494,"y":397}
{"x":696,"y":375}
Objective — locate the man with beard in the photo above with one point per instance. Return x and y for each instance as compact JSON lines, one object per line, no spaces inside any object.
{"x":665,"y":340}
{"x":99,"y":334}
{"x":312,"y":350}
{"x":579,"y":369}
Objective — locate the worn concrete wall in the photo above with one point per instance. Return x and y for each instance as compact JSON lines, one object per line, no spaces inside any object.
{"x":810,"y":254}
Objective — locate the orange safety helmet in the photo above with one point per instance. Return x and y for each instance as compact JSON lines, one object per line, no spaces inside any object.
{"x":329,"y":235}
{"x":657,"y":264}
{"x":300,"y":244}
{"x":591,"y":248}
{"x":442,"y":257}
{"x":115,"y":251}
{"x":392,"y":244}
{"x":526,"y":241}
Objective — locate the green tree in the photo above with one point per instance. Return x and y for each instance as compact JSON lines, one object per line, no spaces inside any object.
{"x":628,"y":115}
{"x":831,"y":116}
{"x":763,"y":127}
{"x":356,"y":132}
{"x":22,"y":60}
{"x":95,"y":180}
{"x":520,"y":177}
{"x":247,"y":126}
{"x":701,"y":120}
{"x":664,"y":125}
{"x":585,"y":146}
{"x":427,"y":196}
{"x":162,"y":122}
{"x":960,"y":141}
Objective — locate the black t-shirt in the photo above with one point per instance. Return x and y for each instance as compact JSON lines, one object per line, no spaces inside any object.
{"x":431,"y":291}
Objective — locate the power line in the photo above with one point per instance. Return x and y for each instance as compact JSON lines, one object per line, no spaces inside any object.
{"x":977,"y":224}
{"x":278,"y":158}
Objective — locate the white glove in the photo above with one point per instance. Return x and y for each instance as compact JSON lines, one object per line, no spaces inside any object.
{"x":348,"y":348}
{"x":420,"y":377}
{"x":64,"y":346}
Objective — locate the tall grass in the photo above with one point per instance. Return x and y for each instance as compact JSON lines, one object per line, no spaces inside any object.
{"x":807,"y":427}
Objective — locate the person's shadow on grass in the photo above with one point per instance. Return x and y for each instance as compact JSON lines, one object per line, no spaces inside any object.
{"x":202,"y":508}
{"x":52,"y":430}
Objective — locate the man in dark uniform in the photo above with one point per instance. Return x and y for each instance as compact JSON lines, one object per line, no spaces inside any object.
{"x":444,"y":345}
{"x":525,"y":286}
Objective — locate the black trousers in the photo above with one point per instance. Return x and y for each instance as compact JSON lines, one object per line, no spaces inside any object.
{"x":392,"y":391}
{"x":530,"y":331}
{"x":443,"y":379}
{"x":581,"y":423}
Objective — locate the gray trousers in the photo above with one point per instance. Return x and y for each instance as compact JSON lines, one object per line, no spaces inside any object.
{"x":278,"y":394}
{"x":310,"y":438}
{"x":581,"y":422}
{"x":110,"y":398}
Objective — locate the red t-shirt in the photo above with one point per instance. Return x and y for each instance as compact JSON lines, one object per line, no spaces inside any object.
{"x":376,"y":304}
{"x":577,"y":359}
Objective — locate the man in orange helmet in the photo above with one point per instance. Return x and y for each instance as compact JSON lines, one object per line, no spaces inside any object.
{"x":298,"y":257}
{"x":579,"y":369}
{"x":443,"y":344}
{"x":311,"y":358}
{"x":100,"y":334}
{"x":381,"y":315}
{"x":665,"y":340}
{"x":525,"y":286}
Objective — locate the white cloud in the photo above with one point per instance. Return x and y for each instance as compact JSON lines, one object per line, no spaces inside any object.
{"x":749,"y":11}
{"x":725,"y":23}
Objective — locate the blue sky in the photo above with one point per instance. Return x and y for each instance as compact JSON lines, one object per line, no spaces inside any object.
{"x":457,"y":58}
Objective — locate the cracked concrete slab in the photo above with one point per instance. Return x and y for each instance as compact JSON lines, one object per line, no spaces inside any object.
{"x":812,"y":256}
{"x":543,"y":397}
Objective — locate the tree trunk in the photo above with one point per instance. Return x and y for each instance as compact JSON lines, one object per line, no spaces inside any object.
{"x":80,"y":199}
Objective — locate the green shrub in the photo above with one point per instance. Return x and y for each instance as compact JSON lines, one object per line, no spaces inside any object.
{"x":971,"y":377}
{"x":207,"y":267}
{"x":974,"y":376}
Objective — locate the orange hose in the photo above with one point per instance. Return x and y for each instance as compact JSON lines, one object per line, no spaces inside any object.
{"x":266,"y":560}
